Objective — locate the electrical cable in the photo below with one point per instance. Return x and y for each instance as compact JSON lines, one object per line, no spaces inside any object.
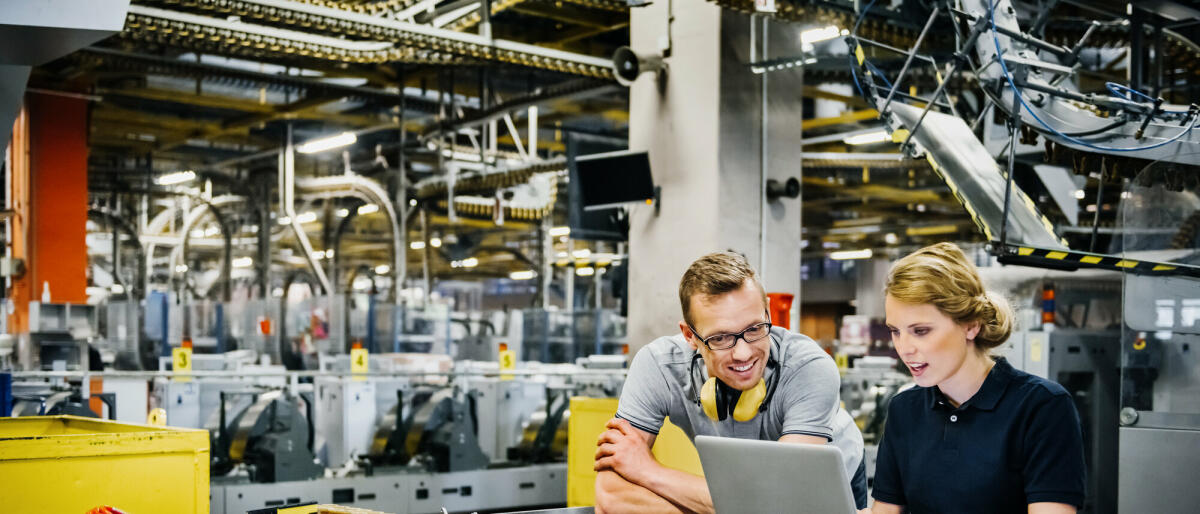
{"x":1095,"y":131}
{"x":876,"y":71}
{"x":1021,"y":99}
{"x":1115,"y":89}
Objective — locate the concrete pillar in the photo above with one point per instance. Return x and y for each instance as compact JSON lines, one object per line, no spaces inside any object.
{"x":868,"y":290}
{"x":702,"y":129}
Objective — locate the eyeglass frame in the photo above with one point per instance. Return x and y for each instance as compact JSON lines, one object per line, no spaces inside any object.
{"x":736,"y":335}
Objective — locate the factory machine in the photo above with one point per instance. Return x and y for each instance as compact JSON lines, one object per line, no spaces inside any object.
{"x":471,"y":443}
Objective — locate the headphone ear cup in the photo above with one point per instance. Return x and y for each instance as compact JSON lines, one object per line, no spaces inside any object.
{"x":749,"y":402}
{"x":709,"y":400}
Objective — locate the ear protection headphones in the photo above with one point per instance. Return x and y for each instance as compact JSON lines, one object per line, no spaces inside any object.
{"x":719,"y":401}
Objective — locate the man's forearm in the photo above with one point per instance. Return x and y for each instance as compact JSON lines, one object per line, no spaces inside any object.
{"x":615,"y":495}
{"x":687,"y":491}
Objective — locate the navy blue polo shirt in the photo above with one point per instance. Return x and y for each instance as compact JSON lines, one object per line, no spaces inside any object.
{"x":1016,"y":441}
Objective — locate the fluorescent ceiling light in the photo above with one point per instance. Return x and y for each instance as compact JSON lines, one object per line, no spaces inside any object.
{"x":307,"y":217}
{"x":178,"y":177}
{"x":435,"y":242}
{"x":341,"y":213}
{"x":851,"y":254}
{"x":367,"y":209}
{"x":242,"y":262}
{"x":284,"y":220}
{"x":560,"y":231}
{"x":181,"y":268}
{"x":211,"y":231}
{"x":382,"y":269}
{"x":318,"y":255}
{"x":521,"y":275}
{"x":327,"y":143}
{"x":582,"y":253}
{"x":585,"y":271}
{"x":469,"y":262}
{"x":878,"y":136}
{"x":1079,"y":194}
{"x":817,"y":35}
{"x":417,"y":245}
{"x":451,"y":16}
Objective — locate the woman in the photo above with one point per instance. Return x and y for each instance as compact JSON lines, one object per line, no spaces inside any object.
{"x":976,"y":435}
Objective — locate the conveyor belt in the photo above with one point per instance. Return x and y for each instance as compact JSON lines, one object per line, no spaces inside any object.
{"x":292,"y":28}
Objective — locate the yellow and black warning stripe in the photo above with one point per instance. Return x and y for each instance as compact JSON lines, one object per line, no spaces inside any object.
{"x":1068,"y":259}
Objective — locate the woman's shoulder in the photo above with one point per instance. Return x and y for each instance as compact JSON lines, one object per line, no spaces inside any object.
{"x":1033,"y":388}
{"x":910,"y":399}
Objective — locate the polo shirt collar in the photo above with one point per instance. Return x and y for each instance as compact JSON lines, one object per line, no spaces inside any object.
{"x":989,"y":393}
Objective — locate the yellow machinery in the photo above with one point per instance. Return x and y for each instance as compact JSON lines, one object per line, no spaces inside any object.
{"x":74,"y":464}
{"x":672,"y":447}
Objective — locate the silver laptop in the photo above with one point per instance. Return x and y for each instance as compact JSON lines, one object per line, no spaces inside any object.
{"x":746,"y":475}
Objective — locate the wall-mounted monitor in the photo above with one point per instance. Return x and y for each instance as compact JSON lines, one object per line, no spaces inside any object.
{"x":613,"y":179}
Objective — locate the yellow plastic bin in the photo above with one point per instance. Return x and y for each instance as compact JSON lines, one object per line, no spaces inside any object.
{"x":672,"y":448}
{"x":71,"y":464}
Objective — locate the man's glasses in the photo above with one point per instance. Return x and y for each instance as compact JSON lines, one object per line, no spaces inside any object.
{"x":751,"y":334}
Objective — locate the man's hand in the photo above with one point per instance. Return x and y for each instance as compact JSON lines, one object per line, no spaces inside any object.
{"x":624,"y":450}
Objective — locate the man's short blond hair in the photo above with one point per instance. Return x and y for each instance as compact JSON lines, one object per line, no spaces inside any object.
{"x":716,"y":274}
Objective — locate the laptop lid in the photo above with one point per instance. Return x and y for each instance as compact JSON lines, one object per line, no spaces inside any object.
{"x":747,"y":475}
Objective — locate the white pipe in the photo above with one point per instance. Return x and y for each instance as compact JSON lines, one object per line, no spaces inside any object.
{"x":287,"y":200}
{"x":370,"y":190}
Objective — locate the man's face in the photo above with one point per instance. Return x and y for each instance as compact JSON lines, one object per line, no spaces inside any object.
{"x":740,"y":367}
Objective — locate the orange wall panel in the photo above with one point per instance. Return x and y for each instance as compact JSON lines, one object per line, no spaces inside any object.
{"x":58,"y":128}
{"x":50,"y":197}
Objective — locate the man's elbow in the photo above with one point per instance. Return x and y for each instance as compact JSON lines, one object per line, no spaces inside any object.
{"x":608,"y":490}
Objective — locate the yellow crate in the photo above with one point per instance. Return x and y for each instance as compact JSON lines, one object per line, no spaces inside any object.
{"x":672,"y":448}
{"x":72,"y":464}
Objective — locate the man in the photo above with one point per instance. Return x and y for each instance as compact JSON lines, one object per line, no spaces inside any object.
{"x":775,"y":385}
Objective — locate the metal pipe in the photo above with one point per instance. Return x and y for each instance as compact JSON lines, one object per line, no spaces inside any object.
{"x":401,"y":272}
{"x":533,"y":135}
{"x":119,"y":223}
{"x":908,"y":61}
{"x":569,"y":278}
{"x":546,"y":273}
{"x":1014,"y":128}
{"x":179,"y":253}
{"x":425,"y":257}
{"x":762,"y":163}
{"x":287,"y":203}
{"x":1099,"y":202}
{"x":370,"y":190}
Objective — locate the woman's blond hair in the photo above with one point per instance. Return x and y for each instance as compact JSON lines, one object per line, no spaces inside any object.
{"x":942,"y":276}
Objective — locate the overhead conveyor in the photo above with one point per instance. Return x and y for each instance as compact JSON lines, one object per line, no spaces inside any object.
{"x":283,"y":28}
{"x":1036,"y":96}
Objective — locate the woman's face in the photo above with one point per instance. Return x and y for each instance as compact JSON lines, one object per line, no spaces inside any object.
{"x":931,"y":344}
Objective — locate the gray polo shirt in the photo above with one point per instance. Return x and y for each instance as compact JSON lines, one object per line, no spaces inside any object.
{"x":806,"y":400}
